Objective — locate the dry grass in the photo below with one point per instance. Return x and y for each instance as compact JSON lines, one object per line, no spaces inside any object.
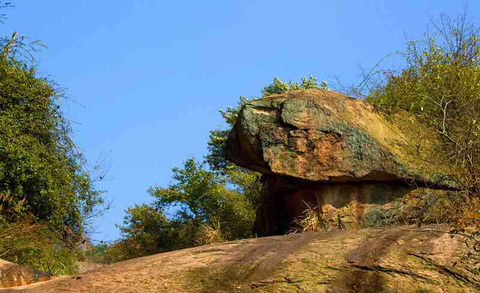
{"x":311,"y":221}
{"x":209,"y":234}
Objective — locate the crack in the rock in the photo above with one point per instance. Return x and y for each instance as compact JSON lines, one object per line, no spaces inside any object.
{"x":285,"y":280}
{"x":378,"y":268}
{"x":447,"y":271}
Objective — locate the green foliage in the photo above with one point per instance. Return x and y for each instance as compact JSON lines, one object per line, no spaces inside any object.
{"x":202,"y":197}
{"x":97,"y":254}
{"x":218,"y":138}
{"x":46,"y":192}
{"x":279,"y":87}
{"x":35,"y":245}
{"x":433,"y":81}
{"x":146,"y":231}
{"x":206,"y":212}
{"x":39,"y":163}
{"x":440,"y":87}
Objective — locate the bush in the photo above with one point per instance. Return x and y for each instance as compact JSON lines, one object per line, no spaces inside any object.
{"x":208,"y":235}
{"x":311,"y":221}
{"x":35,"y":245}
{"x":440,"y":88}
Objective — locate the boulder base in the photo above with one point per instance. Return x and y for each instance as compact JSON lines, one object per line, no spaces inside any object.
{"x":339,"y":206}
{"x":398,"y":259}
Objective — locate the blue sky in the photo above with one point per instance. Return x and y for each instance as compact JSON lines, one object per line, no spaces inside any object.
{"x":150,"y":75}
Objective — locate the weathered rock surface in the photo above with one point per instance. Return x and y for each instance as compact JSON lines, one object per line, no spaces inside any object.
{"x":12,"y":275}
{"x":323,"y":150}
{"x":324,"y":136}
{"x":401,"y":259}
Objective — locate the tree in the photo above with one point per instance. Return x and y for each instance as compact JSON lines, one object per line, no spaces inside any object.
{"x":146,"y":230}
{"x":206,"y":211}
{"x":44,"y":181}
{"x":39,"y":163}
{"x":203,"y":198}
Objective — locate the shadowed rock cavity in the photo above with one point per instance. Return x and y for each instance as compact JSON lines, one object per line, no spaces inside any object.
{"x":340,"y":205}
{"x":323,"y":150}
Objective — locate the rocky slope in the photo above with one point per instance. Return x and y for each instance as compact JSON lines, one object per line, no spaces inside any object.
{"x":401,"y":259}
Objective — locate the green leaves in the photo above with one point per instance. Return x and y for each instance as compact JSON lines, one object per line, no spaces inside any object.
{"x":279,"y":87}
{"x":440,"y":87}
{"x":42,"y":174}
{"x":202,"y":196}
{"x":204,"y":210}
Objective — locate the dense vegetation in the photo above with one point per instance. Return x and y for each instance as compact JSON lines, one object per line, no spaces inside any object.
{"x":206,"y":211}
{"x":46,"y":193}
{"x":440,"y":88}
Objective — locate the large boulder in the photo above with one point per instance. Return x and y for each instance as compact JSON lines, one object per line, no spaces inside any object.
{"x":322,"y":150}
{"x":324,"y":136}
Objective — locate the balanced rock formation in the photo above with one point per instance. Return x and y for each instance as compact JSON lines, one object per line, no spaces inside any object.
{"x":322,"y":148}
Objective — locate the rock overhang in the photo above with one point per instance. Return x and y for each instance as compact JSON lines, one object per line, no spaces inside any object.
{"x":324,"y":136}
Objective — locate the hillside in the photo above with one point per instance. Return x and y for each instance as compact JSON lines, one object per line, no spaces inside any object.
{"x":401,"y":259}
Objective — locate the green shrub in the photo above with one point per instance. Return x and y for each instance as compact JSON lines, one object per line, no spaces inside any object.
{"x":35,"y":245}
{"x":440,"y":88}
{"x":39,"y":164}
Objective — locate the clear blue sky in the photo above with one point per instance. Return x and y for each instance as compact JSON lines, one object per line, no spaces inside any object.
{"x":151,"y":74}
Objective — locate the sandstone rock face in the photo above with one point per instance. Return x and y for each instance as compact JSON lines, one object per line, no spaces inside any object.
{"x":323,"y":150}
{"x":399,"y":259}
{"x":323,"y":136}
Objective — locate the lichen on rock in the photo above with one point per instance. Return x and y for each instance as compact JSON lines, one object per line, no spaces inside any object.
{"x":322,"y":136}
